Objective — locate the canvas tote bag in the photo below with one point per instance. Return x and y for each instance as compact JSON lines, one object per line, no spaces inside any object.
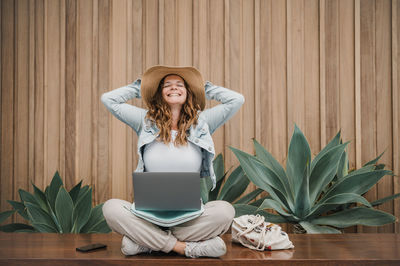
{"x":254,"y":232}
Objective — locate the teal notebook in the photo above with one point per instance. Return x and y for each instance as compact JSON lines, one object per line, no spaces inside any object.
{"x":167,"y":218}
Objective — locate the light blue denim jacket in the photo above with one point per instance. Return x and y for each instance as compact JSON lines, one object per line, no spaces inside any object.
{"x":208,"y":120}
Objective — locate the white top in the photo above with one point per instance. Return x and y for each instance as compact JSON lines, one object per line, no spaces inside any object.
{"x":159,"y":157}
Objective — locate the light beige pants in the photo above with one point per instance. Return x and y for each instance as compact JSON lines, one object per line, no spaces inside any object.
{"x":214,"y":221}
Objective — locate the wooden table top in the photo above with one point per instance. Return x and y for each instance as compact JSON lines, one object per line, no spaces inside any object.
{"x":340,"y":249}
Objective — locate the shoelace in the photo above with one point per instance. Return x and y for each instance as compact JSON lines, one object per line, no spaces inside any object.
{"x":257,"y":222}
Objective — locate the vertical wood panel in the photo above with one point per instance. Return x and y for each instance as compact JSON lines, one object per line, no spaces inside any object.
{"x":347,"y":76}
{"x":118,"y":71}
{"x":184,"y":10}
{"x":70,"y":94}
{"x":95,"y":98}
{"x":84,"y":91}
{"x":332,"y":69}
{"x":216,"y":21}
{"x":347,"y":80}
{"x":39,"y":95}
{"x":311,"y":75}
{"x":368,"y":90}
{"x":169,"y":32}
{"x":31,"y":94}
{"x":21,"y":100}
{"x":129,"y":78}
{"x":279,"y":81}
{"x":52,"y":89}
{"x":62,"y":29}
{"x":295,"y":65}
{"x":383,"y":102}
{"x":396,"y":101}
{"x":102,"y":182}
{"x":7,"y":102}
{"x":233,"y":129}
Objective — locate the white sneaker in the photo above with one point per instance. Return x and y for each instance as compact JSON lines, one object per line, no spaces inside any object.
{"x":129,"y":248}
{"x":214,"y":247}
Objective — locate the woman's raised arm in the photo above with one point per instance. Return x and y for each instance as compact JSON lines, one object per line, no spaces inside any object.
{"x":231,"y":101}
{"x":115,"y":101}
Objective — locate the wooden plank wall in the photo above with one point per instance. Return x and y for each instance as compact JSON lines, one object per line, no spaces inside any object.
{"x":322,"y":64}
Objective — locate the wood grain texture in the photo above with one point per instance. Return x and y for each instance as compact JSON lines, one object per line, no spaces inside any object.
{"x":368,"y":90}
{"x":59,"y":249}
{"x":325,"y":65}
{"x":7,"y":102}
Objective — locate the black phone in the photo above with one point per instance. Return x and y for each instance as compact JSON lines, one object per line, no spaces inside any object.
{"x":91,"y":247}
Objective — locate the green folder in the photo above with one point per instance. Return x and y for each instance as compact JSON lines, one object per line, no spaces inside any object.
{"x":167,"y":218}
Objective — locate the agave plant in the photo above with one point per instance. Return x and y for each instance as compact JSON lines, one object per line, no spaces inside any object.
{"x":232,"y":189}
{"x":56,"y":210}
{"x":319,"y":194}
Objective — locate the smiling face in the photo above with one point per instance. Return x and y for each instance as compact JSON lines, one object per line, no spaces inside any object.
{"x":174,"y":91}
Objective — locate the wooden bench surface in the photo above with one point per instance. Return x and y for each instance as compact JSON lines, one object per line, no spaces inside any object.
{"x":344,"y":249}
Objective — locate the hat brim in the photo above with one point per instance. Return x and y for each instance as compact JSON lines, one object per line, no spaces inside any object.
{"x":152,"y":77}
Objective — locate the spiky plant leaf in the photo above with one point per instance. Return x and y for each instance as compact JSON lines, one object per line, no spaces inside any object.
{"x":242,"y":209}
{"x":234,"y":186}
{"x":299,"y":155}
{"x":64,"y":208}
{"x":249,"y":197}
{"x":55,"y":185}
{"x":317,"y":229}
{"x":354,"y":216}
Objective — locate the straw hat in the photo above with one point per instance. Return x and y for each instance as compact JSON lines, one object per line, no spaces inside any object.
{"x":152,"y":77}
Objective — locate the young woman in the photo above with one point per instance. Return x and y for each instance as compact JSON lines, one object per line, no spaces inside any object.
{"x":174,"y":135}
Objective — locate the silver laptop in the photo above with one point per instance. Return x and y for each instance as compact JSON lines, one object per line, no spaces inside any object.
{"x":167,"y":191}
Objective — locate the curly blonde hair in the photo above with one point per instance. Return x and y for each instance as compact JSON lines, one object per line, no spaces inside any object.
{"x":160,"y":113}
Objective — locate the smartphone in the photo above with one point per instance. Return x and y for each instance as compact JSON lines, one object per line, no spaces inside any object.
{"x":91,"y":247}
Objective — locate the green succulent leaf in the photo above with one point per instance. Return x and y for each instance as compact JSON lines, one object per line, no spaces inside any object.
{"x":354,"y":216}
{"x":243,"y":209}
{"x":5,"y":215}
{"x":260,"y":201}
{"x":39,"y":216}
{"x":385,"y":199}
{"x":55,"y":185}
{"x":343,"y":168}
{"x":358,"y":183}
{"x":219,"y":167}
{"x":249,"y":197}
{"x":263,"y":177}
{"x":82,"y":210}
{"x":334,"y":142}
{"x":234,"y":186}
{"x":336,"y":200}
{"x":272,"y":204}
{"x":100,"y":227}
{"x":74,"y":192}
{"x":317,"y":229}
{"x":299,"y":155}
{"x":16,"y":227}
{"x":264,"y":156}
{"x":96,"y":216}
{"x":20,"y":208}
{"x":40,"y":198}
{"x":214,"y":193}
{"x":27,"y":197}
{"x":302,"y":203}
{"x":44,"y":228}
{"x":374,"y":161}
{"x":204,"y":189}
{"x":64,"y":208}
{"x":325,"y":170}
